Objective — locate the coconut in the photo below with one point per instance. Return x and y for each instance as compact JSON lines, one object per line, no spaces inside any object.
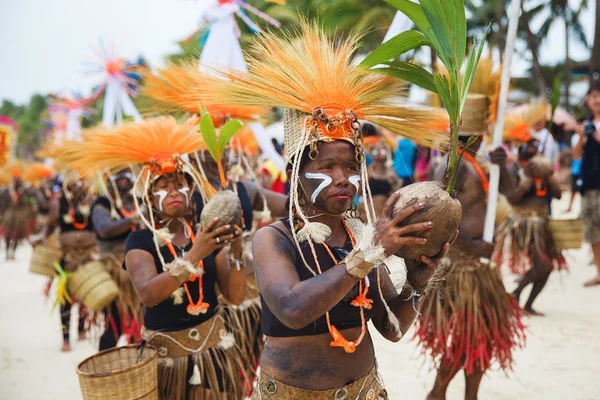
{"x":441,"y":208}
{"x":226,"y":206}
{"x":539,"y":166}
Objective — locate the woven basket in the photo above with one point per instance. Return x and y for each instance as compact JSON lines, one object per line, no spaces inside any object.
{"x":43,"y":259}
{"x":475,"y":115}
{"x":568,"y":233}
{"x":93,"y":286}
{"x":120,"y":374}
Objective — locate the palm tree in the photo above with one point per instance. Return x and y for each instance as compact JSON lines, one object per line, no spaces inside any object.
{"x":481,"y":14}
{"x":533,"y":43}
{"x":560,"y":9}
{"x":595,"y":60}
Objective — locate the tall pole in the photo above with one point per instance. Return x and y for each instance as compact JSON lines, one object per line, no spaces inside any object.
{"x":490,"y":216}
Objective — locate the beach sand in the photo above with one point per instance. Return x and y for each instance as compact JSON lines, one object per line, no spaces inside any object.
{"x":561,"y":359}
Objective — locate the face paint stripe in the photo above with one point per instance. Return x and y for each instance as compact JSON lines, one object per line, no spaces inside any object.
{"x":326,"y":182}
{"x":162,"y":196}
{"x":355,"y":180}
{"x":184,"y":191}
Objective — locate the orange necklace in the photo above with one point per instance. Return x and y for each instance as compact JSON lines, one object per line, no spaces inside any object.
{"x":485,"y":184}
{"x":78,"y":225}
{"x":128,"y":214}
{"x":198,"y":307}
{"x":361,"y":301}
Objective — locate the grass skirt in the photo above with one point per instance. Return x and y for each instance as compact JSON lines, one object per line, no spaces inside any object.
{"x":198,"y":363}
{"x":244,"y":322}
{"x":128,"y":304}
{"x":369,"y":387}
{"x":522,"y":236}
{"x":473,"y":321}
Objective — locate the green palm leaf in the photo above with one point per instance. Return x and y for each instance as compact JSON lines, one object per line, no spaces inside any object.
{"x":410,"y":72}
{"x":227,"y":132}
{"x":395,"y":47}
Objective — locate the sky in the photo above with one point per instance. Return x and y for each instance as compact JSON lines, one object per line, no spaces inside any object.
{"x":45,"y":42}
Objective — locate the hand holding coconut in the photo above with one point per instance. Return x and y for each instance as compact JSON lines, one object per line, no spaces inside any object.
{"x":210,"y":239}
{"x":393,"y":229}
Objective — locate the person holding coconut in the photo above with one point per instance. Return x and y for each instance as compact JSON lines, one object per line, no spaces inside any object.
{"x":473,"y":321}
{"x":525,"y":241}
{"x":175,"y":268}
{"x":321,"y":272}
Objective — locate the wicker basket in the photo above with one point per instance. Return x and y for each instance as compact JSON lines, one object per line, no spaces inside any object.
{"x":43,"y":259}
{"x":475,"y":115}
{"x":121,"y":373}
{"x":93,"y":286}
{"x":568,"y":233}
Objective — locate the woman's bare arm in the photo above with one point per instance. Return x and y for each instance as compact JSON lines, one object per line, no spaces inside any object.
{"x":106,"y":227}
{"x":295,"y":303}
{"x":151,"y":287}
{"x":231,"y":281}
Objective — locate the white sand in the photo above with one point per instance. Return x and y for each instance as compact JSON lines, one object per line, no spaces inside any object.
{"x":561,"y":359}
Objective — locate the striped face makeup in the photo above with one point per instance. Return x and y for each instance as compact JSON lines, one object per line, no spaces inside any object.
{"x":162,"y":195}
{"x":185,"y":192}
{"x":355,"y":180}
{"x":326,"y":181}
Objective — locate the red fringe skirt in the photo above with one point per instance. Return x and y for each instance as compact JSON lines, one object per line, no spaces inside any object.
{"x":472,"y":321}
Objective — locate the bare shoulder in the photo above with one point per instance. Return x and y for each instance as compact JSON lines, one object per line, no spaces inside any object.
{"x":273,"y":240}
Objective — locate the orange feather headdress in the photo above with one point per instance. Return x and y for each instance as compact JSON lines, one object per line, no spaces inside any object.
{"x":486,"y":81}
{"x":156,"y":143}
{"x":175,"y":89}
{"x":35,"y":173}
{"x":315,"y":76}
{"x":518,"y":124}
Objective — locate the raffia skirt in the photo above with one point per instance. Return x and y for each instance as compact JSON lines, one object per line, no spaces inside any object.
{"x":244,"y":321}
{"x":16,"y":223}
{"x":524,"y":234}
{"x":129,"y":306}
{"x":369,"y":387}
{"x":198,"y":363}
{"x":473,"y":321}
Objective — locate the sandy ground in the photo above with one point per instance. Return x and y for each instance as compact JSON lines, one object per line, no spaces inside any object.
{"x":561,"y":359}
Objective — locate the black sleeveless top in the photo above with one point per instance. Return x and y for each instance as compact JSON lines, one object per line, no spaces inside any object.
{"x":343,"y":316}
{"x":380,"y":187}
{"x":104,"y":202}
{"x":247,"y":209}
{"x":79,"y":218}
{"x":167,"y":316}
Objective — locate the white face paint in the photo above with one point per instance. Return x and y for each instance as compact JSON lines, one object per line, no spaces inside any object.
{"x":184,"y":191}
{"x":162,"y":195}
{"x":355,"y":180}
{"x":326,"y":182}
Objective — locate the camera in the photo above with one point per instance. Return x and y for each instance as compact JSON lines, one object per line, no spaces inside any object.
{"x":589,"y":128}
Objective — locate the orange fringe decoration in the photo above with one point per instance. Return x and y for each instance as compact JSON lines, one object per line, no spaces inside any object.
{"x":36,"y":172}
{"x":172,"y":89}
{"x":156,"y":141}
{"x":314,"y":71}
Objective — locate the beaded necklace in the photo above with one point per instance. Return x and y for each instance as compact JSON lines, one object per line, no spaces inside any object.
{"x":199,"y":307}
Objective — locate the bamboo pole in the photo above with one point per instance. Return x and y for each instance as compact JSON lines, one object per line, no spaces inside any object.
{"x":490,"y":216}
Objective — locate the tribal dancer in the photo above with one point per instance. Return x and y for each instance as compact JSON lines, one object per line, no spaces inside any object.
{"x":473,"y":321}
{"x":16,"y":221}
{"x":525,"y":240}
{"x":114,"y":217}
{"x":175,"y":270}
{"x":175,"y":88}
{"x":320,"y":272}
{"x":71,"y":213}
